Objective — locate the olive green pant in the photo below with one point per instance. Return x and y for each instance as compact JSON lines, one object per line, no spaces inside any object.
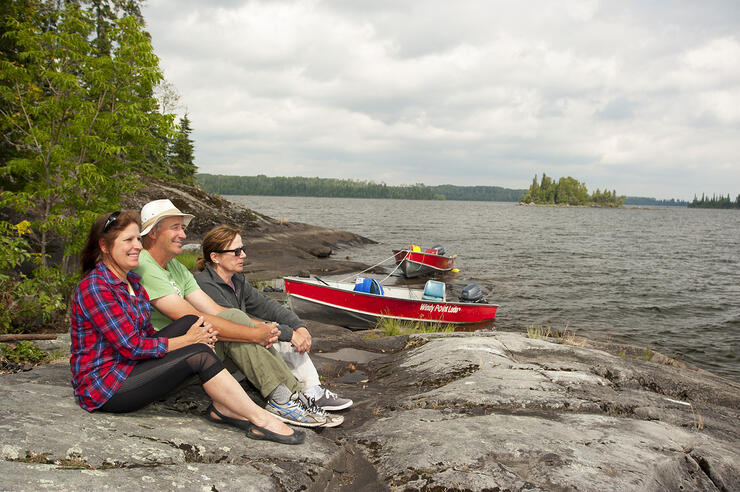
{"x":264,"y":368}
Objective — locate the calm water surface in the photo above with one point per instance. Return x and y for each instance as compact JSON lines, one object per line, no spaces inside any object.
{"x":668,"y":277}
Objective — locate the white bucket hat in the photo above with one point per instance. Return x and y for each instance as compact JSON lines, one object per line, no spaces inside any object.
{"x":154,"y":211}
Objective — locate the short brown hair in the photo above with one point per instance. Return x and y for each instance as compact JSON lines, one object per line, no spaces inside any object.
{"x":216,"y":239}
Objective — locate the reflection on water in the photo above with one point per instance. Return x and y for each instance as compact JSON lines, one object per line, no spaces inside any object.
{"x":667,"y":277}
{"x":349,"y":354}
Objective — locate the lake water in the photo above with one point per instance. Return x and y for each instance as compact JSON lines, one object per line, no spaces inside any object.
{"x":665,"y":277}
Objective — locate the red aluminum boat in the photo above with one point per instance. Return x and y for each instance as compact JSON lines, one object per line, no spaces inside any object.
{"x":419,"y":264}
{"x":339,"y":303}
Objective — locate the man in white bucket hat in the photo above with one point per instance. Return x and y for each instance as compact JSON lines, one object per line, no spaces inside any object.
{"x":157,"y":210}
{"x":174,"y":293}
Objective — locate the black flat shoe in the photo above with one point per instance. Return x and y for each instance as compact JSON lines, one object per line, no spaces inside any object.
{"x":262,"y":434}
{"x":254,"y":431}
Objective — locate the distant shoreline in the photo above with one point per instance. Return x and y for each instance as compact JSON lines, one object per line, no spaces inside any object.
{"x":298,"y":186}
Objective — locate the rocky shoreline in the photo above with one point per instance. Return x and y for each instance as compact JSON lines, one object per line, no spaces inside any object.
{"x":458,"y":411}
{"x":461,"y":411}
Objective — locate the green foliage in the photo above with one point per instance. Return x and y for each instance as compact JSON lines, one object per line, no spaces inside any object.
{"x":391,"y":327}
{"x":181,"y":159}
{"x":647,"y":354}
{"x":346,"y":188}
{"x":24,"y":351}
{"x":188,"y":259}
{"x":568,"y":191}
{"x":560,"y":336}
{"x":478,"y":193}
{"x":27,"y":302}
{"x":537,"y":332}
{"x":299,"y":186}
{"x":78,"y":115}
{"x":715,"y":202}
{"x":647,"y":201}
{"x":78,"y":120}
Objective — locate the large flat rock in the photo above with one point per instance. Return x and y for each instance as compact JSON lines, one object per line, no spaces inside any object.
{"x":46,"y":435}
{"x":488,"y":411}
{"x":508,"y":412}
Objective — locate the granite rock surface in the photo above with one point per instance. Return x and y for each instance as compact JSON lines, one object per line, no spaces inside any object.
{"x":485,"y":411}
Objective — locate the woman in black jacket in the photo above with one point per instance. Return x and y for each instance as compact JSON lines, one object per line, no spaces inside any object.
{"x":221,"y":278}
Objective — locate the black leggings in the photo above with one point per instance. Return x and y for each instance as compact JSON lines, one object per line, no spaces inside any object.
{"x":152,"y":379}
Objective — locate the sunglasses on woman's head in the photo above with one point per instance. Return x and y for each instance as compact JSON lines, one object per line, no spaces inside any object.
{"x":111,"y":218}
{"x":237,"y":251}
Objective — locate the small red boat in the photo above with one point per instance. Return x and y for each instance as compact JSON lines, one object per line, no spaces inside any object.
{"x":414,"y":262}
{"x":346,"y":304}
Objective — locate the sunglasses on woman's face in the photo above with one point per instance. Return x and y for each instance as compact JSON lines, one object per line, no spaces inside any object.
{"x":237,"y":251}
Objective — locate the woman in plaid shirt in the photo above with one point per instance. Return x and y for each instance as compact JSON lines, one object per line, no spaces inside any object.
{"x":119,"y":363}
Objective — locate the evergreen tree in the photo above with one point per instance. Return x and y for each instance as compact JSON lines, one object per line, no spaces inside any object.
{"x":78,"y":120}
{"x":182,"y":159}
{"x":569,"y":191}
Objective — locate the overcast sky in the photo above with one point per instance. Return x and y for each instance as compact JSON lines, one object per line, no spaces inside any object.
{"x":638,"y":96}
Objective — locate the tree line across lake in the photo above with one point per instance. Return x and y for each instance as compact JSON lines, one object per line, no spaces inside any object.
{"x":348,"y":188}
{"x":715,"y":202}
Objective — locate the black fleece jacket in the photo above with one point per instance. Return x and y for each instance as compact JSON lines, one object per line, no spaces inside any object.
{"x":248,"y":299}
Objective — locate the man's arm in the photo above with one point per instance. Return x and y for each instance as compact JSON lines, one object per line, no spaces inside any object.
{"x":198,"y":303}
{"x":263,"y":307}
{"x":260,"y":305}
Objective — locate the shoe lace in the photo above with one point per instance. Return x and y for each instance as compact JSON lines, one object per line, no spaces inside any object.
{"x":308,"y":403}
{"x":313,"y":407}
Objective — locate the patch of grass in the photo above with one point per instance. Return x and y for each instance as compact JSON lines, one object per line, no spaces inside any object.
{"x":647,"y":354}
{"x":565,"y":337}
{"x":391,"y":327}
{"x":31,"y":457}
{"x":188,"y":258}
{"x":24,"y":351}
{"x":536,"y":332}
{"x":371,"y":335}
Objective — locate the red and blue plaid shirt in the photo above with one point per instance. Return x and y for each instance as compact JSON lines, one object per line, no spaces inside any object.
{"x":110,"y":332}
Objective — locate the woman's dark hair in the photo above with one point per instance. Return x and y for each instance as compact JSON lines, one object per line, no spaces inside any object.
{"x":217,"y":238}
{"x":105,"y":228}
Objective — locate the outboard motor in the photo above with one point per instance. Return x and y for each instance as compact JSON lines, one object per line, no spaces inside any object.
{"x":472,"y":293}
{"x":440,"y":249}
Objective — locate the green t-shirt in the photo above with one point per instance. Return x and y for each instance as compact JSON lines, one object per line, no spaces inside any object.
{"x":160,"y":282}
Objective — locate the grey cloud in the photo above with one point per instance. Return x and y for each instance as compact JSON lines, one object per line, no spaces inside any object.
{"x":469,"y":92}
{"x":617,"y":109}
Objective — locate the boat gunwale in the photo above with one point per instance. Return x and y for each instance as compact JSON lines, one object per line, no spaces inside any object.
{"x":319,"y":283}
{"x":404,"y":318}
{"x":406,"y":258}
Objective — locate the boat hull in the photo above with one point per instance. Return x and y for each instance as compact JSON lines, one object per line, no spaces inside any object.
{"x":338,"y":304}
{"x":416,"y":264}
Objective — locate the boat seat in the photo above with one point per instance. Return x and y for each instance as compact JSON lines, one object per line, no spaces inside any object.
{"x":431,"y":251}
{"x":434,"y":291}
{"x":368,"y":286}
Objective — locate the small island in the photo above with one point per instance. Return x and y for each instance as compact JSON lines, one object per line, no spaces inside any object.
{"x":568,"y":192}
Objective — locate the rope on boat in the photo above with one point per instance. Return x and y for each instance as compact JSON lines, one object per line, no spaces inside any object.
{"x":397,"y":266}
{"x":370,"y":268}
